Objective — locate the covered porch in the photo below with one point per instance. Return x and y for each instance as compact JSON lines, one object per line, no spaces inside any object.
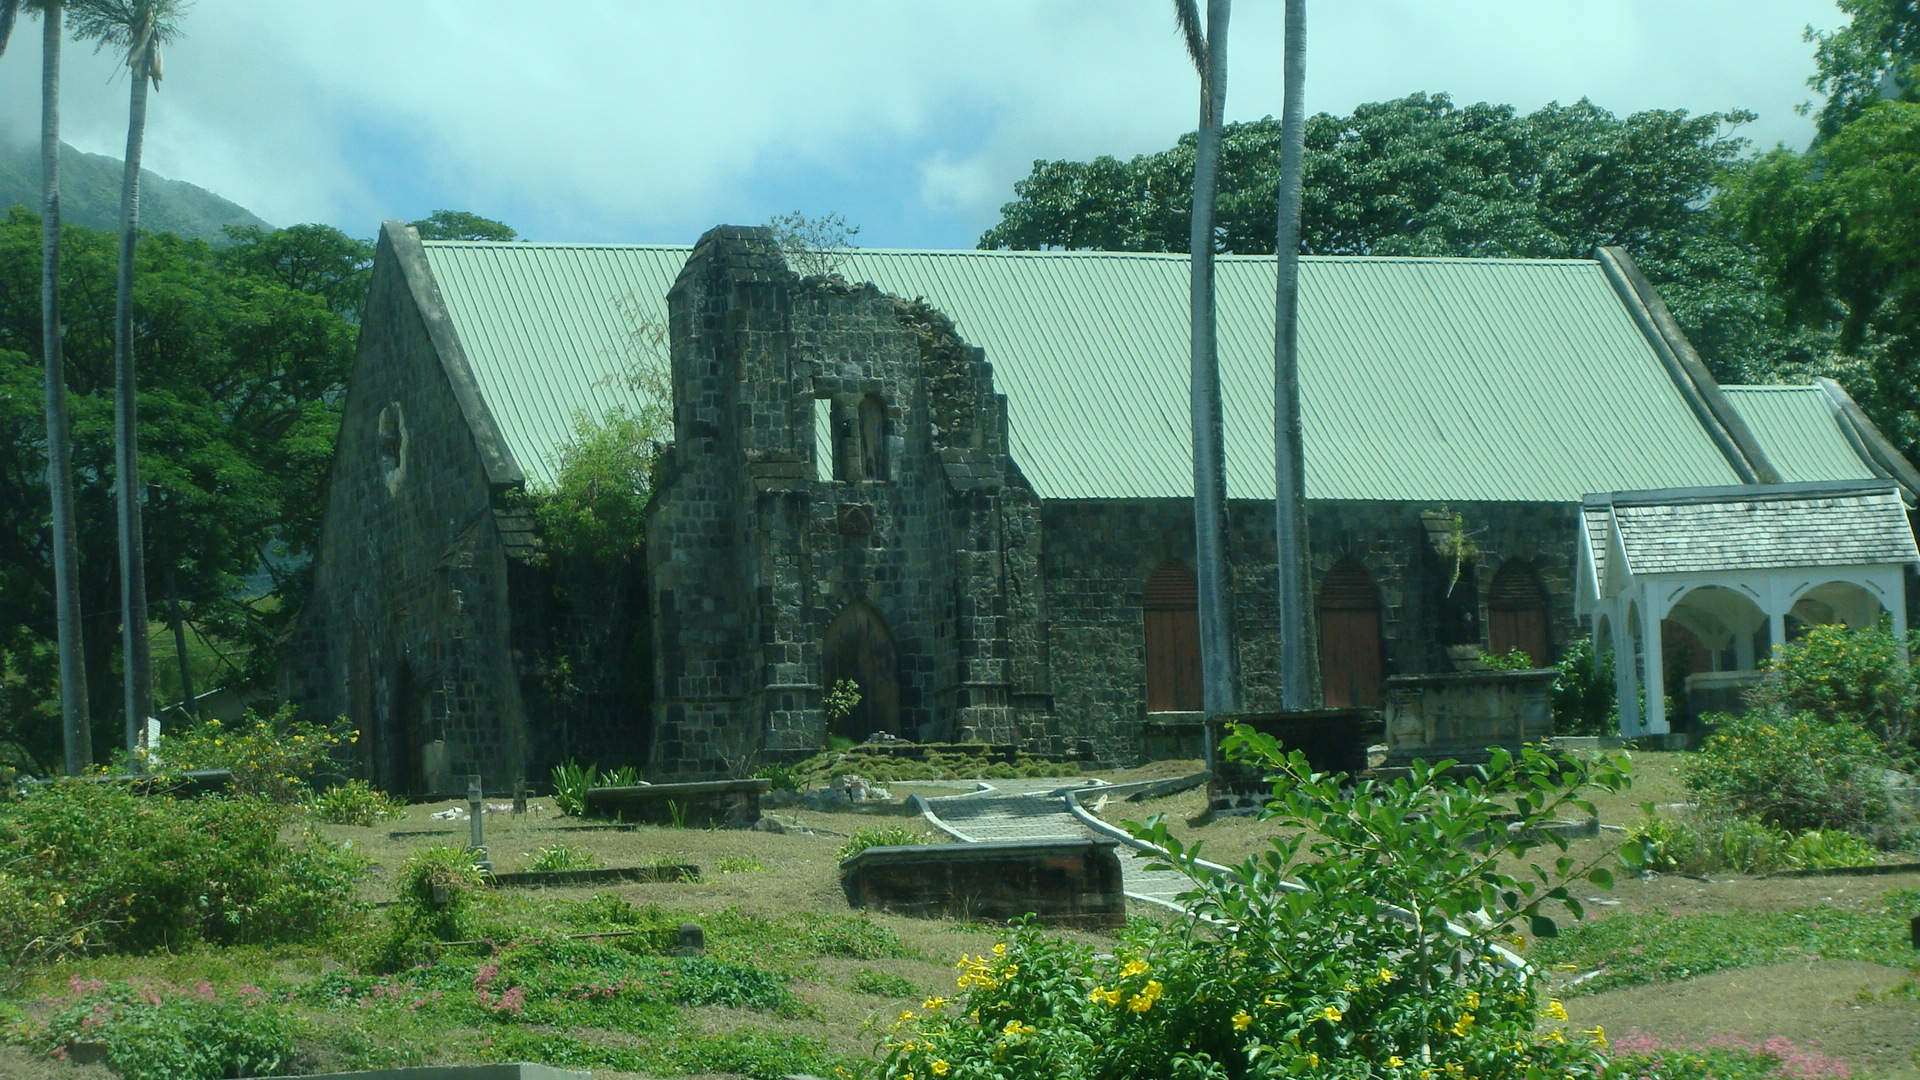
{"x":1711,"y":580}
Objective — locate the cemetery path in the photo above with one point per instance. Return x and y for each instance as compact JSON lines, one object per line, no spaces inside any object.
{"x":1036,"y":809}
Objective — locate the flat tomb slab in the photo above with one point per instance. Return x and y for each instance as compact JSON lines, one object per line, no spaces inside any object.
{"x":711,"y":802}
{"x":670,"y":872}
{"x":1073,"y":882}
{"x":514,"y":1071}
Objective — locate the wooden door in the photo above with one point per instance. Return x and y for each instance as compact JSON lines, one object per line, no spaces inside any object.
{"x":1170,"y":612}
{"x":1517,"y":614}
{"x":1351,"y":662}
{"x":858,"y":646}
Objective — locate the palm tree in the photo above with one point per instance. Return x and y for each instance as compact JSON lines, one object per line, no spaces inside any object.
{"x":9,"y":11}
{"x":1289,"y":455}
{"x":1219,"y":660}
{"x":140,"y":28}
{"x":76,"y":724}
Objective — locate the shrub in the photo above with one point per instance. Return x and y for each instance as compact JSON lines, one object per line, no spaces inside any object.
{"x":887,"y":836}
{"x":275,"y":756}
{"x":780,"y":777}
{"x":570,"y":786}
{"x":436,"y":886}
{"x":1321,"y":978}
{"x":1847,"y":676}
{"x":1828,"y":848}
{"x":134,"y":874}
{"x":1584,"y":702}
{"x":164,"y":1032}
{"x":563,"y":857}
{"x":355,"y":802}
{"x":1794,"y":772}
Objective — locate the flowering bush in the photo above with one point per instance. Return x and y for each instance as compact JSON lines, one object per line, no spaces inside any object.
{"x":159,"y":1031}
{"x":1795,"y":772}
{"x":1841,"y":675}
{"x":1354,"y":972}
{"x":274,"y":756}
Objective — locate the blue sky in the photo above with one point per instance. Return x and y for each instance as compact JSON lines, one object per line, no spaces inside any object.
{"x":647,"y":121}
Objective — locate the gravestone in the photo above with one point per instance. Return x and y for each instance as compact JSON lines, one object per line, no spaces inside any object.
{"x":698,"y":805}
{"x":1464,"y":716}
{"x":1073,"y":882}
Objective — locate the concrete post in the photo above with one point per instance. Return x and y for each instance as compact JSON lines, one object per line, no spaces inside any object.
{"x":476,"y":813}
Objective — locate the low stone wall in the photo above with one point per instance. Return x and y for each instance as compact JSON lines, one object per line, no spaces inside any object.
{"x":1464,"y":716}
{"x":1334,"y":740}
{"x":714,"y":802}
{"x":1059,"y":882}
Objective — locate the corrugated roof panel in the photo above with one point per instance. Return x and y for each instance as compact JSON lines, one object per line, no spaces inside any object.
{"x":1799,"y":433}
{"x":1422,"y":379}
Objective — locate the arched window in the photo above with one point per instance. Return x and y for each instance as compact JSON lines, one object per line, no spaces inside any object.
{"x":858,"y":646}
{"x":1351,"y":664}
{"x":1170,"y":611}
{"x":1517,"y":614}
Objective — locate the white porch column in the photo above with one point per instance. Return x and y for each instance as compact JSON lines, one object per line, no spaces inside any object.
{"x":1625,"y":689}
{"x":1651,"y":649}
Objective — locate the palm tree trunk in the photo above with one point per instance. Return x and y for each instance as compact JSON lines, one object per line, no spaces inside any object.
{"x":75,"y":722}
{"x":1289,"y":454}
{"x":137,"y":672}
{"x":1219,"y":660}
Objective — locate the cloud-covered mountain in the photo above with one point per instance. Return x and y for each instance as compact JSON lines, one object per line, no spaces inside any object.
{"x":90,"y":194}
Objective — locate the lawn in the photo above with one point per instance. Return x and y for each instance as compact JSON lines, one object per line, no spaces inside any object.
{"x":793,"y":981}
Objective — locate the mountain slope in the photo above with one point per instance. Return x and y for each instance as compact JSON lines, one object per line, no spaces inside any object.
{"x":90,"y":194}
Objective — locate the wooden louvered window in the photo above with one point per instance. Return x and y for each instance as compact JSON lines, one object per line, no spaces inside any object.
{"x":1517,"y":614}
{"x":1171,"y":613}
{"x":1351,"y":663}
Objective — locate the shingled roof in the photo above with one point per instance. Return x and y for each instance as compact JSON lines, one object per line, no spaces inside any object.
{"x":1754,"y":527}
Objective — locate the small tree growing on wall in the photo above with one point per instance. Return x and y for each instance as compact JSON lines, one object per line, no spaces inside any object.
{"x":813,"y":247}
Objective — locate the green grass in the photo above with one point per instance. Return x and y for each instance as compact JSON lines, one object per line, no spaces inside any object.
{"x":1637,"y":949}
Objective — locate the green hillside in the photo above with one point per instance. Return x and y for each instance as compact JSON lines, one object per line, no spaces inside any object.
{"x":90,"y":194}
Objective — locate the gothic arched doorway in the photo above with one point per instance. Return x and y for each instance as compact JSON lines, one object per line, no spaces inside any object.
{"x":1351,"y":664}
{"x":1517,"y":614}
{"x":1170,"y":614}
{"x":858,"y":646}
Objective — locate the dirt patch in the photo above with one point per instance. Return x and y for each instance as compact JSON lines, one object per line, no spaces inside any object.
{"x":1830,"y":1006}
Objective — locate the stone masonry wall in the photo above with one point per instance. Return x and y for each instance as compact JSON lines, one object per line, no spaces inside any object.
{"x":752,"y":553}
{"x":406,"y":633}
{"x":1098,"y":555}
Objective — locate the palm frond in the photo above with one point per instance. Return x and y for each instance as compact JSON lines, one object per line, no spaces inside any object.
{"x":9,"y":11}
{"x":1187,"y":14}
{"x":129,"y":26}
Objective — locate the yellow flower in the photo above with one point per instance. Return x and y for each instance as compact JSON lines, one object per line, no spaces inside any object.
{"x":1313,"y":1061}
{"x":1331,"y":1014}
{"x":906,"y":1016}
{"x":1103,"y":996}
{"x":1242,"y":1020}
{"x":1000,"y":949}
{"x":939,"y":1067}
{"x":1385,"y":976}
{"x":1463,"y":1025}
{"x":1015,"y":1027}
{"x":1599,"y":1036}
{"x":1557,"y":1036}
{"x":1272,"y":1001}
{"x":1394,"y":1061}
{"x":1556,"y":1011}
{"x":933,"y":1003}
{"x":1473,"y":999}
{"x":1139,"y":1003}
{"x":1135,"y":967}
{"x":1152,"y":990}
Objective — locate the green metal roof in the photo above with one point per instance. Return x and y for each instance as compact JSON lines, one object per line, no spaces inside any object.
{"x":1421,"y":379}
{"x":1799,"y":433}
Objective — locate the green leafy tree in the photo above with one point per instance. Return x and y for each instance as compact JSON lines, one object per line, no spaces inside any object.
{"x":461,"y":225}
{"x":814,"y":246}
{"x":1875,"y":57}
{"x":237,"y":429}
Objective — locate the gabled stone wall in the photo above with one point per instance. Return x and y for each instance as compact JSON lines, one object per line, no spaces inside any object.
{"x":406,"y":632}
{"x":756,"y":543}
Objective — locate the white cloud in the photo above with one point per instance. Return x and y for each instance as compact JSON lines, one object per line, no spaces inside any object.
{"x":611,"y":120}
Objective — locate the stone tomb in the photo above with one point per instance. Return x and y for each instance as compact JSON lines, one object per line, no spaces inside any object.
{"x":1068,"y":882}
{"x":1464,"y":716}
{"x":1334,"y":740}
{"x":716,"y":802}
